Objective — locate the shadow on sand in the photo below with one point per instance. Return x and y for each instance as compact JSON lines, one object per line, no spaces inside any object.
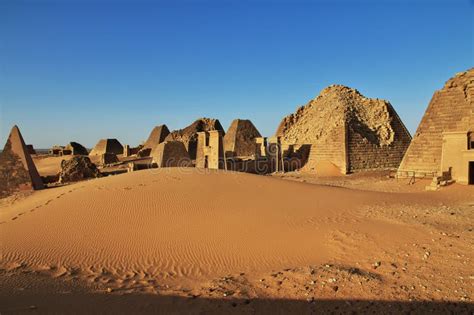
{"x":157,"y":304}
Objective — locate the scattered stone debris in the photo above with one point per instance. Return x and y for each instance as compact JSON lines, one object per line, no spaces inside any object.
{"x":76,"y":169}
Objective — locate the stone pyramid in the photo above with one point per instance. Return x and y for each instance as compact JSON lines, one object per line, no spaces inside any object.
{"x":107,"y":146}
{"x":348,"y":130}
{"x":171,"y":154}
{"x":240,"y":138}
{"x":17,"y":169}
{"x":157,"y":136}
{"x":451,"y":109}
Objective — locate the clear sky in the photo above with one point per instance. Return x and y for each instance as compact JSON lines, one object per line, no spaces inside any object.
{"x":84,"y":70}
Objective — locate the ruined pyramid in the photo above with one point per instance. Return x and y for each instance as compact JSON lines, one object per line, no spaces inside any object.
{"x":171,"y":154}
{"x":451,"y":109}
{"x":189,"y":135}
{"x":107,"y":146}
{"x":348,"y":130}
{"x":17,"y":169}
{"x":157,"y":136}
{"x":240,"y":138}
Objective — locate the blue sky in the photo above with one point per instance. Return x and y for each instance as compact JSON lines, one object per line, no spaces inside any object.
{"x":84,"y":70}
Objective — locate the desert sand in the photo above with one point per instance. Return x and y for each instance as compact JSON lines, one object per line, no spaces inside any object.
{"x":208,"y":241}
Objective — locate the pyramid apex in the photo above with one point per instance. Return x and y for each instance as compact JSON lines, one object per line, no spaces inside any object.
{"x":18,"y":171}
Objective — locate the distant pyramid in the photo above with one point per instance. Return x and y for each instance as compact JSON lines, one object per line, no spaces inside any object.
{"x":17,"y":169}
{"x":240,"y":138}
{"x":157,"y":136}
{"x":107,"y":146}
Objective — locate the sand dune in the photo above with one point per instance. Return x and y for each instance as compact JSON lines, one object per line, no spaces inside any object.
{"x":184,"y":227}
{"x":180,"y":222}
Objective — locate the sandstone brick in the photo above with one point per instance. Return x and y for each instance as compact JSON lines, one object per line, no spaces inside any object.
{"x":349,"y":130}
{"x":451,"y":109}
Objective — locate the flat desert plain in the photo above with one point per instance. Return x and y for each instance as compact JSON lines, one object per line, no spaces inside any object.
{"x":187,"y":240}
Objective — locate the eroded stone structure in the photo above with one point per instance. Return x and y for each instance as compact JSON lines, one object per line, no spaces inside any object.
{"x":457,"y":157}
{"x":189,"y":135}
{"x":17,"y":169}
{"x":240,"y":138}
{"x":157,"y":136}
{"x":171,"y":154}
{"x":107,"y":146}
{"x":345,"y":128}
{"x":442,"y":136}
{"x":72,"y":148}
{"x":108,"y":158}
{"x":274,"y":154}
{"x":126,"y":150}
{"x":76,"y":169}
{"x":131,"y":151}
{"x":260,"y":147}
{"x":210,"y":150}
{"x":56,"y":150}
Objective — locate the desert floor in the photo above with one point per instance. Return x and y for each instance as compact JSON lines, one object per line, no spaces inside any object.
{"x":184,"y":240}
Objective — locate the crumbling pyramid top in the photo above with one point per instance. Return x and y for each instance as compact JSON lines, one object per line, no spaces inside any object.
{"x":190,"y":132}
{"x":336,"y":106}
{"x":18,"y":170}
{"x":461,"y":80}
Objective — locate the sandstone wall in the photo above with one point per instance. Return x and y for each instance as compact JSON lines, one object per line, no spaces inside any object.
{"x":171,"y":154}
{"x":332,"y":148}
{"x":210,"y":150}
{"x":366,"y":153}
